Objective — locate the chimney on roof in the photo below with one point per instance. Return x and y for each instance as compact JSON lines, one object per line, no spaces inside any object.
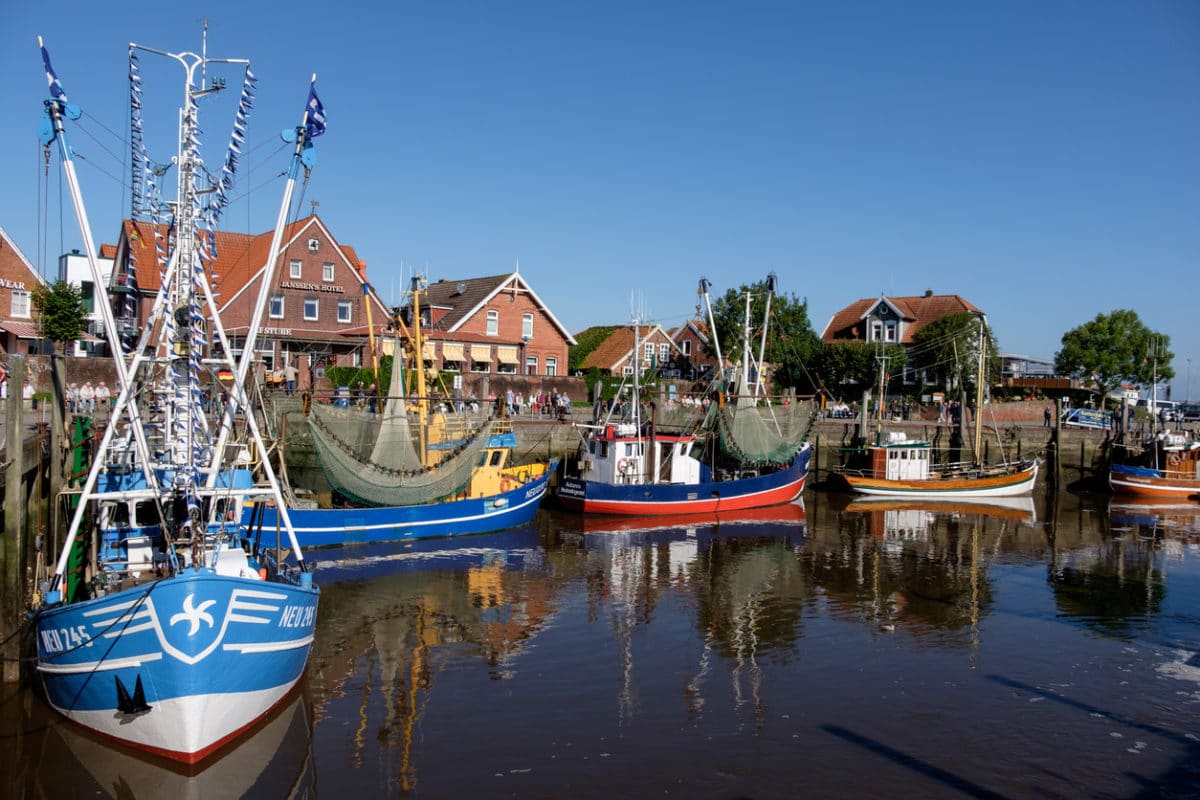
{"x":929,"y":292}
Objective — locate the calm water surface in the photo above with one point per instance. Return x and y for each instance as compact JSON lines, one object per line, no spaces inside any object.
{"x":831,"y":649}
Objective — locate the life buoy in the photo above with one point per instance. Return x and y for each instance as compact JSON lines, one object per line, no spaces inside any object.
{"x":1173,"y":459}
{"x":623,"y":466}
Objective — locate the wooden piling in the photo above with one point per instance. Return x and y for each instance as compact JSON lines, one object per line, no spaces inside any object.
{"x":12,"y":557}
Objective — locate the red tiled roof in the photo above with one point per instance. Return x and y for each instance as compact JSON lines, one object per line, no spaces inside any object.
{"x":848,"y":324}
{"x":460,"y":297}
{"x":617,"y":346}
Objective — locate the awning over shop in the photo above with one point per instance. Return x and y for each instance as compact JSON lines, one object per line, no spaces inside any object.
{"x":506,"y":354}
{"x":452,"y":351}
{"x":22,"y":330}
{"x":427,"y":351}
{"x":481,"y":352}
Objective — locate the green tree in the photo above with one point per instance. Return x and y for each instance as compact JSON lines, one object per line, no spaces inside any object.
{"x":60,"y":311}
{"x":948,"y":350}
{"x":1115,"y":348}
{"x":841,"y":365}
{"x":791,"y":343}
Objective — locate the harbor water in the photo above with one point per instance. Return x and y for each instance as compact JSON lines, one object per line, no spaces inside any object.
{"x":1046,"y":647}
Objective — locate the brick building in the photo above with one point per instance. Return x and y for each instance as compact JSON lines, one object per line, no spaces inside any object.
{"x":493,"y":326}
{"x":615,"y":355}
{"x":892,"y":320}
{"x":19,"y":331}
{"x":692,"y":340}
{"x":316,"y":310}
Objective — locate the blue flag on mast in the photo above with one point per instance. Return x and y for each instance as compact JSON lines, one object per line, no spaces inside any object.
{"x":56,"y":89}
{"x":315,"y":121}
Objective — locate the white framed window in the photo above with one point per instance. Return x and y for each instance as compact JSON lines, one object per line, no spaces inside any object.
{"x":664,"y":353}
{"x":551,"y":366}
{"x":344,"y":310}
{"x":647,"y":351}
{"x":876,"y":331}
{"x":531,"y":365}
{"x":327,"y":273}
{"x":313,"y":245}
{"x":296,"y":269}
{"x":527,"y":326}
{"x":276,"y":306}
{"x":311,"y":308}
{"x":889,"y":332}
{"x":627,"y":370}
{"x":493,"y":323}
{"x":20,"y":303}
{"x":686,"y":347}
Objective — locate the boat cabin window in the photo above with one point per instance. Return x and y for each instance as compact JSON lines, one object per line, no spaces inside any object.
{"x":146,"y":514}
{"x":118,"y":514}
{"x":497,"y":457}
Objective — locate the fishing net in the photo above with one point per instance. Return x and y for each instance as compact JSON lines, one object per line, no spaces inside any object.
{"x":758,"y":433}
{"x":376,"y":459}
{"x":359,"y":467}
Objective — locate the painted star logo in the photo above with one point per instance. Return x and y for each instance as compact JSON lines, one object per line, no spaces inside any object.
{"x":194,"y":615}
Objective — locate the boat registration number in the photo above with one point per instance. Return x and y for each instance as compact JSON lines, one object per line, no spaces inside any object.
{"x":56,"y":640}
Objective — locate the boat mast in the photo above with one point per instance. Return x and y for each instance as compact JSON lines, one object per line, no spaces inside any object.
{"x":979,"y":393}
{"x":419,"y":365}
{"x":712,"y":326}
{"x":743,"y":389}
{"x":762,"y":344}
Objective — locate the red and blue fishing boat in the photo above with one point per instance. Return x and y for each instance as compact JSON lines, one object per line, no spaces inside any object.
{"x":726,"y":451}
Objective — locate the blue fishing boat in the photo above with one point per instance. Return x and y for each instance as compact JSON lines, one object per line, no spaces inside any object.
{"x":179,"y":628}
{"x":332,"y":527}
{"x":423,"y":466}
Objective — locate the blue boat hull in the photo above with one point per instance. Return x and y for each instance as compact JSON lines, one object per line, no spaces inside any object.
{"x":177,"y":666}
{"x":594,"y":497}
{"x":334,"y":527}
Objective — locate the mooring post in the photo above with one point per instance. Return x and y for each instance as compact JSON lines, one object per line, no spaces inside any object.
{"x":1056,"y":445}
{"x":11,"y":556}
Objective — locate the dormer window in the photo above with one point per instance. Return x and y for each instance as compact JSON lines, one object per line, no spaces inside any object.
{"x":313,"y":245}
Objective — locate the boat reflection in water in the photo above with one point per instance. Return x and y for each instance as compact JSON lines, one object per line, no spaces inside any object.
{"x":1151,"y":516}
{"x":272,"y":760}
{"x":897,"y":519}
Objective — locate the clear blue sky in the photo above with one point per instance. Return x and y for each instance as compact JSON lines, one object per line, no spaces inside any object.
{"x":1040,"y":158}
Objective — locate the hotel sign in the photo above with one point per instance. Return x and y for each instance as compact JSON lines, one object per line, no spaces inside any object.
{"x":277,"y":331}
{"x":7,"y":284}
{"x":313,"y":287}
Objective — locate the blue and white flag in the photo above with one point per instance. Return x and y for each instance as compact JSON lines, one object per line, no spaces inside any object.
{"x":315,"y":120}
{"x":56,"y":89}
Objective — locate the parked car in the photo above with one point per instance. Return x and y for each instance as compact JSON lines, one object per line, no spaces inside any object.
{"x":1189,"y":412}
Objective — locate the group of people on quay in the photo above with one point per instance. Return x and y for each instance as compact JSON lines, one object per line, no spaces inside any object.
{"x":88,"y":399}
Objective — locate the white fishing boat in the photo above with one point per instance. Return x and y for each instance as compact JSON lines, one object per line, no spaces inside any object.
{"x":167,"y":624}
